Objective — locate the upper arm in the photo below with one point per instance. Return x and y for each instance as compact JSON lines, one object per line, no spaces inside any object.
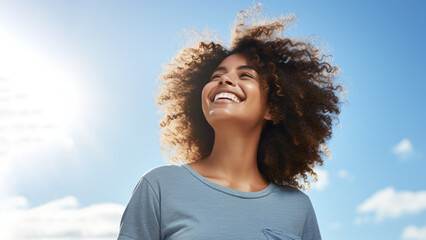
{"x":141,"y":218}
{"x":311,"y":229}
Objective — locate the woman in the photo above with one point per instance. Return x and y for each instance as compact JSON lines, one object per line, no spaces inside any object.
{"x":260,"y":126}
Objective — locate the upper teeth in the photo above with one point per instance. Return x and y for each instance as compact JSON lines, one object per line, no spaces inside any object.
{"x":226,"y":95}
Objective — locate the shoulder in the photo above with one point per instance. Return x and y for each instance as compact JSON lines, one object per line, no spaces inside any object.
{"x":295,"y":194}
{"x":165,"y":180}
{"x":164,"y":173}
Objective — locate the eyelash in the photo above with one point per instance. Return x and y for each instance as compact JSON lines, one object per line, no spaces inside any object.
{"x":242,"y":75}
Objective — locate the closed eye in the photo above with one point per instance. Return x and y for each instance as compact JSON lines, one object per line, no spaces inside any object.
{"x":247,"y":75}
{"x":215,"y":76}
{"x":242,"y":75}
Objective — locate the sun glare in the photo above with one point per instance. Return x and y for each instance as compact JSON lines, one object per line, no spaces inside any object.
{"x":41,"y":104}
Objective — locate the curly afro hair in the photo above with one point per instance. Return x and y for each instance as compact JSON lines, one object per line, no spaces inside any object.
{"x":301,"y":93}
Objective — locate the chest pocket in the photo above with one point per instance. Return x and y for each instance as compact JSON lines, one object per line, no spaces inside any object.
{"x":274,"y":234}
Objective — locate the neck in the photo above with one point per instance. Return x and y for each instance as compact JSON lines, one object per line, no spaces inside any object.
{"x":234,"y":154}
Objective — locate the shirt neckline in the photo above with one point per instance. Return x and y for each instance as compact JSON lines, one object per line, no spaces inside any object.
{"x":230,"y":191}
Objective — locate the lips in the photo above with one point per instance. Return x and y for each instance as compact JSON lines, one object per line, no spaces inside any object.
{"x":228,"y":91}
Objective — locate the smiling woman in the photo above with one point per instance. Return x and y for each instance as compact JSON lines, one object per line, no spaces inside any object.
{"x":234,"y":79}
{"x":247,"y":123}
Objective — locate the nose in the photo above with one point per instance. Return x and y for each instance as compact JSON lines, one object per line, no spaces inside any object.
{"x":227,"y":80}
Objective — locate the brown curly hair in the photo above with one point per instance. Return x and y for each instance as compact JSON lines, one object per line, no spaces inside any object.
{"x":301,"y":94}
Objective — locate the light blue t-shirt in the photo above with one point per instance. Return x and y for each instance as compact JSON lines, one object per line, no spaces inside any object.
{"x":174,"y":202}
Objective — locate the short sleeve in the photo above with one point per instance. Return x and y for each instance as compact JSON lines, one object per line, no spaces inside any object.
{"x":141,"y":218}
{"x":310,"y":229}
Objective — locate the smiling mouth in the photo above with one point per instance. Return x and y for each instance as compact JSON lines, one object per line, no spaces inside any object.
{"x":225,"y":97}
{"x":225,"y":100}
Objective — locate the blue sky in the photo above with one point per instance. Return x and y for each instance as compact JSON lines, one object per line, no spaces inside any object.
{"x":78,"y":124}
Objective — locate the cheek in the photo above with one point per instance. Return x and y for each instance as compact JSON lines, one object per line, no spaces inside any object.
{"x":206,"y":90}
{"x":256,"y":94}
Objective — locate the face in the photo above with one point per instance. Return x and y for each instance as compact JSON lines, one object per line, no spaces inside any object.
{"x":237,"y":75}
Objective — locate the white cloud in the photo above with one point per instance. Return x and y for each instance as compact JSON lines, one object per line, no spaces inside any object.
{"x":388,"y":204}
{"x":321,"y":183}
{"x":344,"y":174}
{"x":59,"y":219}
{"x":413,"y":233}
{"x":335,"y":225}
{"x":323,"y":180}
{"x":404,"y":149}
{"x":12,"y":202}
{"x":358,"y":220}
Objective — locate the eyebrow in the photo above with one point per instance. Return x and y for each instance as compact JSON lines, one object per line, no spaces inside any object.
{"x":239,"y":68}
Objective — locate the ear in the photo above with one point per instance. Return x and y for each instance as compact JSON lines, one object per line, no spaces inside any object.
{"x":268,"y":113}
